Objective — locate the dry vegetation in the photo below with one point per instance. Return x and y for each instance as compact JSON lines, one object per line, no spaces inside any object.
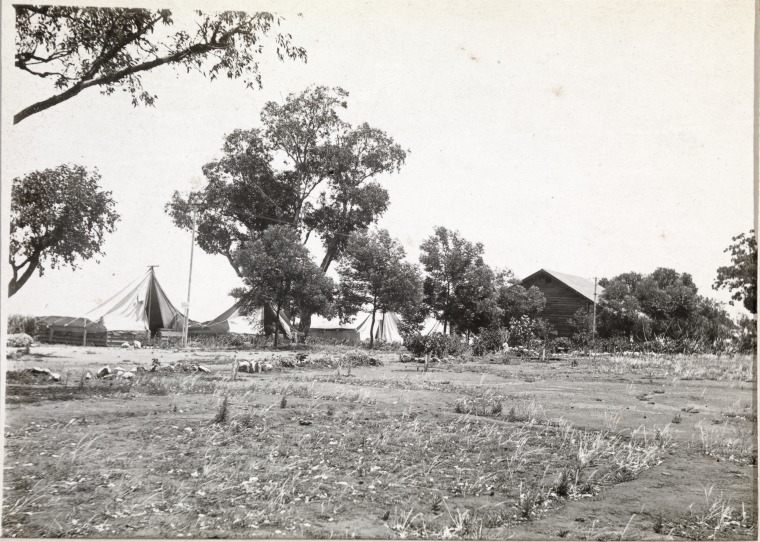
{"x":477,"y":450}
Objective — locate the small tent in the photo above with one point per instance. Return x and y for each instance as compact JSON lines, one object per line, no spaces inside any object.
{"x":386,"y":327}
{"x":431,"y":325}
{"x":233,"y":321}
{"x":142,"y":305}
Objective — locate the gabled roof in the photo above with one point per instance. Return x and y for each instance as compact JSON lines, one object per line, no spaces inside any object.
{"x":583,"y":286}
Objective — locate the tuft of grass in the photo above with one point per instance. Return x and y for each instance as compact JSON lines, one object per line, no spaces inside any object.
{"x":528,"y":504}
{"x":222,"y":412}
{"x":676,"y":418}
{"x":564,"y":484}
{"x":284,"y":401}
{"x":659,"y":525}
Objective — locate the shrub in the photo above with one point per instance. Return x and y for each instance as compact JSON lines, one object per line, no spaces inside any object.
{"x":18,"y":323}
{"x":20,"y":340}
{"x":435,"y":344}
{"x":489,"y":341}
{"x":562,"y":344}
{"x":232,"y":340}
{"x":746,"y":342}
{"x":359,"y":359}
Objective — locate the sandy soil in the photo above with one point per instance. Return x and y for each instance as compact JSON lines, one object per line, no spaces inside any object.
{"x":700,"y":482}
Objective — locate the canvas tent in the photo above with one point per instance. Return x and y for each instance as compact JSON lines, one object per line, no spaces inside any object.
{"x":232,"y":321}
{"x":358,"y":328}
{"x":140,"y":306}
{"x":431,"y":325}
{"x":386,"y":327}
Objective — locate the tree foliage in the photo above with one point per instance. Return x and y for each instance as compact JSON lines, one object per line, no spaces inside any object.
{"x":111,"y":48}
{"x":517,"y":301}
{"x":448,"y":260}
{"x":58,"y":217}
{"x":475,"y":304}
{"x":663,"y":304}
{"x":374,"y":277}
{"x":740,"y":277}
{"x":277,"y":270}
{"x":304,"y":167}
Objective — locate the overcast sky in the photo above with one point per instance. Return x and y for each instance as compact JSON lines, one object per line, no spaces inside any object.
{"x":591,"y":138}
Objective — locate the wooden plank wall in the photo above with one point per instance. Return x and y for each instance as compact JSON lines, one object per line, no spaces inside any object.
{"x":561,"y":303}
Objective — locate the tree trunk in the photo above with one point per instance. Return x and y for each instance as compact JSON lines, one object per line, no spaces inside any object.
{"x":372,"y":329}
{"x":329,"y":257}
{"x":231,"y":259}
{"x":446,"y":310}
{"x":277,"y":323}
{"x":16,"y":283}
{"x":45,"y":104}
{"x":305,"y":322}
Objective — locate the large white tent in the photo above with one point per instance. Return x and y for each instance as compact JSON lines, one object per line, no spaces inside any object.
{"x":233,"y":321}
{"x":142,"y":305}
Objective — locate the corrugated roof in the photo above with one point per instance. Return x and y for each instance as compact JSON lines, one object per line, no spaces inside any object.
{"x":585,"y":287}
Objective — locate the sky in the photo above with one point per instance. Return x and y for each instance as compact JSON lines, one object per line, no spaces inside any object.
{"x":591,"y":138}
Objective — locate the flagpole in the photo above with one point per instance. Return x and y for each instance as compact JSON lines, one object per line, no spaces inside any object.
{"x":593,"y":328}
{"x":189,"y":279}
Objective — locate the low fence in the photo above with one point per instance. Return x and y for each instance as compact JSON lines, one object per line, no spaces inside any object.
{"x":97,"y":338}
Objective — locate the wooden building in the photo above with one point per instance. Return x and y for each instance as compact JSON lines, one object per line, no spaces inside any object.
{"x":564,"y":294}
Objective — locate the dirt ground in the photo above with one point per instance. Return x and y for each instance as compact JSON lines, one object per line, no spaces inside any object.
{"x":594,"y":449}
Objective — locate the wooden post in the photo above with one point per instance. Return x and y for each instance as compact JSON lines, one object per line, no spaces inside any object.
{"x":84,"y":337}
{"x":593,"y":322}
{"x":50,"y":335}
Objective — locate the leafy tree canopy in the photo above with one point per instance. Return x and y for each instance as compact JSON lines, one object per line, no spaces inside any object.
{"x":58,"y":216}
{"x":740,"y":277}
{"x":664,"y":303}
{"x":277,"y":270}
{"x":517,"y":301}
{"x":475,"y":303}
{"x":304,"y":167}
{"x":375,"y":277}
{"x":447,"y":259}
{"x":111,"y":48}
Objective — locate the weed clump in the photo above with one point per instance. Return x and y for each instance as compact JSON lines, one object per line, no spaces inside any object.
{"x":223,"y":412}
{"x":564,"y":484}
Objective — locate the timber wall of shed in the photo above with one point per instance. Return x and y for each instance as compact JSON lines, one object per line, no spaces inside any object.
{"x":562,"y":302}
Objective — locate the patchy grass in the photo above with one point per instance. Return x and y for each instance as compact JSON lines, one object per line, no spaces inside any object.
{"x":387,"y":452}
